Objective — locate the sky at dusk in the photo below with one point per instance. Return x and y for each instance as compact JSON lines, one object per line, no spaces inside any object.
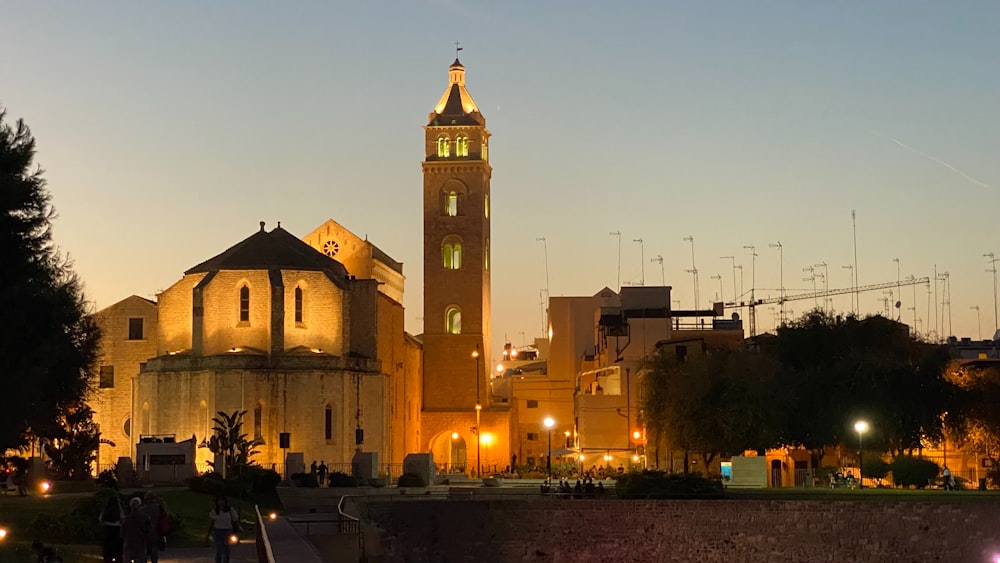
{"x":168,"y":130}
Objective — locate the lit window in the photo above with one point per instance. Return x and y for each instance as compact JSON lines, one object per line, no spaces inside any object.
{"x":444,"y":147}
{"x":451,"y":208}
{"x":453,"y":320}
{"x":485,"y":153}
{"x":486,"y":256}
{"x":328,"y":423}
{"x":462,"y":146}
{"x":486,"y":206}
{"x":298,"y":304}
{"x":451,"y":253}
{"x":244,"y":304}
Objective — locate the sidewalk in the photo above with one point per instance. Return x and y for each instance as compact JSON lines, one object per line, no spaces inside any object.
{"x":244,"y":552}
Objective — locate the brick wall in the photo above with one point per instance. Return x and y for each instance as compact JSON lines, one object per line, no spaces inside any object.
{"x":558,"y":531}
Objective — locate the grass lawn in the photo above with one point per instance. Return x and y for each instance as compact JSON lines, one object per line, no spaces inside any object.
{"x":17,"y":514}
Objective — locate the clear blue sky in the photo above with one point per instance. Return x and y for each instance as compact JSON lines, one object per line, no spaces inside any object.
{"x":169,"y":129}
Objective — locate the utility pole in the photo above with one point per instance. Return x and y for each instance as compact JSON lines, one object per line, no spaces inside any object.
{"x":736,"y":296}
{"x":619,"y":235}
{"x":993,"y":270}
{"x":663,"y":274}
{"x":979,"y":323}
{"x":693,"y":271}
{"x":753,"y":285}
{"x":642,"y":260}
{"x":781,"y":274}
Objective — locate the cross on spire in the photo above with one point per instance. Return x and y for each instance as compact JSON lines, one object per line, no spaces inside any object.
{"x":458,"y":47}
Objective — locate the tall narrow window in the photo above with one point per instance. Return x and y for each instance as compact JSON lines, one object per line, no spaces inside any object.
{"x":486,"y":255}
{"x":244,"y":304}
{"x":298,"y":304}
{"x":453,"y":320}
{"x":486,"y":206}
{"x":461,"y":146}
{"x":328,"y":422}
{"x":444,"y":147}
{"x":135,"y":329}
{"x":146,"y":422}
{"x":258,"y":423}
{"x":451,"y":251}
{"x":107,"y":377}
{"x":452,"y":206}
{"x":486,"y":155}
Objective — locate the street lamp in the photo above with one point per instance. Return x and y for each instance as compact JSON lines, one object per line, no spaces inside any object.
{"x":549,"y":423}
{"x":860,"y":427}
{"x":479,"y":408}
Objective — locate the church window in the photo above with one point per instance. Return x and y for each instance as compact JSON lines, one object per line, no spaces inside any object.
{"x":453,"y":320}
{"x":485,"y":152}
{"x":135,"y":329}
{"x":452,"y":207}
{"x":328,"y":423}
{"x":298,"y":304}
{"x":486,"y":255}
{"x":461,"y":146}
{"x":107,"y":377}
{"x":127,"y":427}
{"x":444,"y":147}
{"x":451,"y":251}
{"x":244,"y":304}
{"x":258,"y":423}
{"x":486,"y":206}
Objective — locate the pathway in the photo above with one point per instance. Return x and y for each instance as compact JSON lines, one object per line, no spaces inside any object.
{"x":245,"y":552}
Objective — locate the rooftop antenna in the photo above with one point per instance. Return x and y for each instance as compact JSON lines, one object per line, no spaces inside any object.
{"x":545,"y":320}
{"x":781,"y":275}
{"x":827,"y":301}
{"x":663,"y":274}
{"x":753,"y":284}
{"x":619,"y":235}
{"x":945,"y":278}
{"x":854,"y":226}
{"x":642,"y":260}
{"x":812,"y":277}
{"x":854,"y":310}
{"x":718,"y":277}
{"x":993,"y":270}
{"x":693,"y":271}
{"x":911,"y":277}
{"x":979,"y":323}
{"x":736,"y":297}
{"x":899,"y":294}
{"x":740,"y":268}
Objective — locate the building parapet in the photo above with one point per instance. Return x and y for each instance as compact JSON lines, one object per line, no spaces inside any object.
{"x":261,"y":361}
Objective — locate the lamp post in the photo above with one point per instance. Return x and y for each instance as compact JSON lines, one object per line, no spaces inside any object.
{"x":479,"y":408}
{"x":549,"y":423}
{"x":860,"y":427}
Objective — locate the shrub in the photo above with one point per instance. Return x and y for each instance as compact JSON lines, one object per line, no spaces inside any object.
{"x":80,"y":525}
{"x":338,"y":479}
{"x":305,"y":480}
{"x":660,"y":485}
{"x":108,"y":478}
{"x":876,"y":468}
{"x":411,"y":480}
{"x":908,"y":470}
{"x":256,"y":479}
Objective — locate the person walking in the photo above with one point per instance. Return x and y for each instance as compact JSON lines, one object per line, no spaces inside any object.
{"x":111,"y":526}
{"x":225,"y":522}
{"x":136,"y":531}
{"x":159,"y":522}
{"x":322,"y":471}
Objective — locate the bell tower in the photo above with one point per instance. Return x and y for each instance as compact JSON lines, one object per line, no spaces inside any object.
{"x":457,"y":175}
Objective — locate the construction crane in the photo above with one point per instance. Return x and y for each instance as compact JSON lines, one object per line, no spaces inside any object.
{"x":817,"y":294}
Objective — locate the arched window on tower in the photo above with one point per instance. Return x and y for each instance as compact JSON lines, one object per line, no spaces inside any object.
{"x":451,"y":253}
{"x":453,"y":320}
{"x":451,"y":205}
{"x":444,"y":147}
{"x":461,"y":146}
{"x":486,"y":206}
{"x":245,"y":304}
{"x":298,"y":304}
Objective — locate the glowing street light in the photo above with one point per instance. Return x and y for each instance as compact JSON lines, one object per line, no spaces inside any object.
{"x":3,"y":534}
{"x":860,"y":427}
{"x":549,"y":423}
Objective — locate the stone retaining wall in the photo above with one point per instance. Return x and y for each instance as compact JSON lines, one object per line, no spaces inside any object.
{"x":704,"y":531}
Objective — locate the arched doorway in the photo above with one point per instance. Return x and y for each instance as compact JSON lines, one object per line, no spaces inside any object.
{"x":449,"y":451}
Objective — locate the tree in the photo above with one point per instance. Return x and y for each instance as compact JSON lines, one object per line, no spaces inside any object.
{"x":229,"y":441}
{"x":72,"y":443}
{"x":48,"y":343}
{"x":974,"y":420}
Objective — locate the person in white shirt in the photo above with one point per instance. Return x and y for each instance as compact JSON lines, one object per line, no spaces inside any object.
{"x":225,"y":522}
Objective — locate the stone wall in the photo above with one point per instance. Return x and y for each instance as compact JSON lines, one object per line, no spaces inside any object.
{"x":557,"y":531}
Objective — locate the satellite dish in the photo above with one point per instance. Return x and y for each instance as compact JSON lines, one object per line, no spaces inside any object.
{"x":898,"y":304}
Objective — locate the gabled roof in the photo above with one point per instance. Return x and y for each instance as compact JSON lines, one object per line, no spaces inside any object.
{"x":274,"y":250}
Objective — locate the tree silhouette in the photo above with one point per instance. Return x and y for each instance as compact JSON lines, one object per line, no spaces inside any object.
{"x":229,"y":441}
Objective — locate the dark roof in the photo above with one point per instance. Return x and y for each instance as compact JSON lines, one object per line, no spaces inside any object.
{"x":457,"y":63}
{"x":277,"y":249}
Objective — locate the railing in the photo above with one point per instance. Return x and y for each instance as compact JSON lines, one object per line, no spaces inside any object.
{"x":351,"y":525}
{"x":264,"y":552}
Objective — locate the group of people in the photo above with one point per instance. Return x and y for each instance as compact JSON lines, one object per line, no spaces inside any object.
{"x":320,"y":471}
{"x":135,"y":534}
{"x":582,"y":489}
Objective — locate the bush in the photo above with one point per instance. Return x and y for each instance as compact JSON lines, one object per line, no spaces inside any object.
{"x":651,"y":484}
{"x":108,"y":478}
{"x":259,"y":481}
{"x":307,"y":480}
{"x":81,"y":525}
{"x":908,"y":470}
{"x":411,"y":480}
{"x":876,"y":468}
{"x":338,"y":479}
